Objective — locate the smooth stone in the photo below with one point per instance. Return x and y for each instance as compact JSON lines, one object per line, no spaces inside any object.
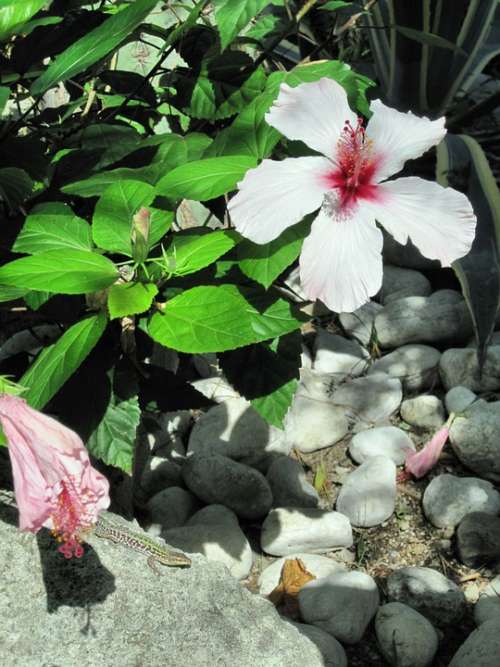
{"x":338,"y":355}
{"x":446,"y":296}
{"x":494,"y":340}
{"x":170,"y":508}
{"x":406,"y":255}
{"x":368,"y":495}
{"x":488,"y":605}
{"x":342,"y":604}
{"x":219,"y":479}
{"x":206,"y":365}
{"x":398,"y":283}
{"x":429,"y":592}
{"x":313,"y":422}
{"x":360,"y":323}
{"x":405,"y":637}
{"x":330,"y":648}
{"x":159,"y":474}
{"x":478,"y":540}
{"x":315,"y":564}
{"x":475,"y":441}
{"x":481,"y":648}
{"x":236,"y":430}
{"x":287,"y":530}
{"x":458,"y":399}
{"x":458,"y":366}
{"x":419,"y":319}
{"x":217,"y":535}
{"x":447,"y":499}
{"x":289,"y":484}
{"x":216,"y":389}
{"x":426,"y":412}
{"x":416,"y":366}
{"x":305,"y":358}
{"x":388,"y":441}
{"x":372,"y":399}
{"x":108,"y":608}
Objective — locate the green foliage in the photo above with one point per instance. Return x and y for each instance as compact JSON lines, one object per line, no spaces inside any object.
{"x":233,"y":15}
{"x":14,"y":13}
{"x":44,"y":231}
{"x":130,"y":299}
{"x":56,"y":363}
{"x":192,"y":252}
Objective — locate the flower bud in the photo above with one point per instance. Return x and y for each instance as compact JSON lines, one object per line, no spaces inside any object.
{"x":141,"y":224}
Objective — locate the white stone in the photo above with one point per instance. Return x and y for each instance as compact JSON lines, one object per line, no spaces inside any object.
{"x":360,"y":323}
{"x":398,"y":283}
{"x":368,"y":495}
{"x":415,"y":365}
{"x":405,"y":637}
{"x":216,"y":389}
{"x":289,"y":484}
{"x":235,"y":429}
{"x":426,"y":412}
{"x":458,"y":399}
{"x":447,"y":499}
{"x":287,"y":530}
{"x":338,"y":355}
{"x":388,"y":441}
{"x":317,"y":565}
{"x":371,"y":399}
{"x":342,"y":604}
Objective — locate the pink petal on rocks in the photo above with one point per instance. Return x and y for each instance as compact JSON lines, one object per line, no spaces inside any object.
{"x":54,"y":482}
{"x":419,"y":463}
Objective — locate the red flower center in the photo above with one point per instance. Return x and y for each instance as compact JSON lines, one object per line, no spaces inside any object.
{"x":70,"y":518}
{"x":353,"y":176}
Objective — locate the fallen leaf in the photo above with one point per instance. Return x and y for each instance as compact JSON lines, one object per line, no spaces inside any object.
{"x":293,"y":577}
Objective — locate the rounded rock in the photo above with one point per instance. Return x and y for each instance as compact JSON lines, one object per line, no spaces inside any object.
{"x":429,"y":592}
{"x":475,"y":441}
{"x":426,"y":412}
{"x":459,"y":366}
{"x":372,"y":399}
{"x":368,"y":495}
{"x":170,"y":508}
{"x":388,"y":441}
{"x":287,"y":530}
{"x":360,"y":324}
{"x":339,"y":356}
{"x":406,"y":638}
{"x":398,"y":283}
{"x":332,"y":650}
{"x":488,"y":605}
{"x":289,"y":485}
{"x":342,"y":604}
{"x":481,"y":648}
{"x":458,"y":399}
{"x":416,"y":366}
{"x":447,"y":499}
{"x":478,"y":540}
{"x":219,"y":479}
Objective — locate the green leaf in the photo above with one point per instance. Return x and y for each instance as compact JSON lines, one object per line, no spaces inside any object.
{"x":47,"y":231}
{"x":36,"y":299}
{"x":130,"y":299}
{"x":233,"y":15}
{"x":56,"y":363}
{"x":333,"y":5}
{"x":205,"y":179}
{"x":60,"y":271}
{"x":161,"y":221}
{"x":265,"y":25}
{"x":264,"y":263}
{"x":95,"y":185}
{"x":9,"y":293}
{"x":462,"y":164}
{"x":428,"y":38}
{"x":112,"y":221}
{"x":13,"y":13}
{"x":215,"y":319}
{"x":113,"y":441}
{"x":4,"y":96}
{"x":192,"y":252}
{"x":93,"y":46}
{"x":266,"y":374}
{"x":15,"y":186}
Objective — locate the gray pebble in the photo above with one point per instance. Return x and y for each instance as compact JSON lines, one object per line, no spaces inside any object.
{"x":398,"y":283}
{"x":388,"y":441}
{"x":458,"y":399}
{"x":481,"y":648}
{"x":416,"y":366}
{"x":289,"y":485}
{"x":478,"y":540}
{"x":170,"y":508}
{"x":488,"y":605}
{"x":360,"y":323}
{"x":459,"y":366}
{"x":339,"y":356}
{"x":332,"y":650}
{"x":425,"y":412}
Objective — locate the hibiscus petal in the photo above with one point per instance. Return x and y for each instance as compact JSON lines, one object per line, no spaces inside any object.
{"x":397,"y":137}
{"x":419,"y":463}
{"x":276,"y":195}
{"x":341,"y":261}
{"x":439,"y":221}
{"x":314,"y":112}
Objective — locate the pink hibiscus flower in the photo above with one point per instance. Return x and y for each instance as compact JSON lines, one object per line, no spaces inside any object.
{"x":341,"y":261}
{"x":419,"y":463}
{"x":54,"y":482}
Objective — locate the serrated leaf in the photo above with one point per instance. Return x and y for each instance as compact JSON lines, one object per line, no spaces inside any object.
{"x":48,"y":231}
{"x":15,"y":186}
{"x":264,"y":263}
{"x":215,"y":319}
{"x":205,"y":179}
{"x":13,"y":13}
{"x":93,"y":46}
{"x":56,"y":363}
{"x":192,"y":252}
{"x":112,"y":221}
{"x":130,"y":299}
{"x":95,"y":185}
{"x":233,"y":15}
{"x":113,"y":441}
{"x":60,"y":271}
{"x":333,"y":5}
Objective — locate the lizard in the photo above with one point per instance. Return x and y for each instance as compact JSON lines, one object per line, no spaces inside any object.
{"x":155,"y":552}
